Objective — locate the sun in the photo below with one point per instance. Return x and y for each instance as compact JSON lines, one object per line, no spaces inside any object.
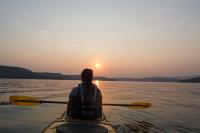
{"x":97,"y":65}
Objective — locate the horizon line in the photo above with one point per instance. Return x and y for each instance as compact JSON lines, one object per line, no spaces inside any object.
{"x":136,"y":77}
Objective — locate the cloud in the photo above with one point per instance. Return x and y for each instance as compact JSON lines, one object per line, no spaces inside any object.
{"x":45,"y":33}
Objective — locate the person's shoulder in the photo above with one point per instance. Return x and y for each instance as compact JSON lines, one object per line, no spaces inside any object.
{"x":74,"y":91}
{"x":98,"y":90}
{"x":96,"y":87}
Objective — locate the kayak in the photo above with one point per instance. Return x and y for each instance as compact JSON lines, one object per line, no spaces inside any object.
{"x":66,"y":124}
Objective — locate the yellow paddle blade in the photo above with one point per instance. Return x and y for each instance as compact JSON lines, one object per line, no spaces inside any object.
{"x":24,"y":100}
{"x":139,"y":105}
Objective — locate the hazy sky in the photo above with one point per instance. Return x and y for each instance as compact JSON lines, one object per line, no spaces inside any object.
{"x":126,"y":37}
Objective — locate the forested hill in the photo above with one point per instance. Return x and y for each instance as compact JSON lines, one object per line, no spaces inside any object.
{"x":22,"y":73}
{"x":192,"y":80}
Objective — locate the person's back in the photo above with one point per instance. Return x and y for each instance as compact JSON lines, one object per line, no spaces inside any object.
{"x":85,"y":100}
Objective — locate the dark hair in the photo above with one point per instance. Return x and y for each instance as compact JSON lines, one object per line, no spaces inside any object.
{"x":87,"y":75}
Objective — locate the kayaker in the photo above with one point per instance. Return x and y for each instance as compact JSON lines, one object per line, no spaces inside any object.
{"x":85,"y":100}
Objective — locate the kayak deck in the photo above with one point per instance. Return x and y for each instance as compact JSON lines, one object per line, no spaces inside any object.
{"x":66,"y":124}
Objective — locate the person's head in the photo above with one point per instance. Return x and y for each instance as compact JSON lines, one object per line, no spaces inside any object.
{"x":87,"y":76}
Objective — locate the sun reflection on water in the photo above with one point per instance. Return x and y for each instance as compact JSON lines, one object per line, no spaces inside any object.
{"x":97,"y":82}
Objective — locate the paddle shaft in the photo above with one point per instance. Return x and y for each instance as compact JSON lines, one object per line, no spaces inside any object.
{"x":112,"y":104}
{"x":31,"y":101}
{"x":42,"y":101}
{"x":60,"y":102}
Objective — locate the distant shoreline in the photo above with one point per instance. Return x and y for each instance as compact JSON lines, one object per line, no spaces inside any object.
{"x":11,"y":72}
{"x":101,"y":80}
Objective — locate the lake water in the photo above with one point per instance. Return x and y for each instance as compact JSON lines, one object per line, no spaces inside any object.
{"x":176,"y":106}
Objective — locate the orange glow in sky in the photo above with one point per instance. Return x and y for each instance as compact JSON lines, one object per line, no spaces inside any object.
{"x":97,"y":65}
{"x":122,"y":39}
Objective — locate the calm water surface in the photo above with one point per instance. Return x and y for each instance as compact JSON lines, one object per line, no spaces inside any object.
{"x":176,"y":106}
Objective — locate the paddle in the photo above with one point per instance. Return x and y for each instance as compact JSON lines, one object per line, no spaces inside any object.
{"x":30,"y":101}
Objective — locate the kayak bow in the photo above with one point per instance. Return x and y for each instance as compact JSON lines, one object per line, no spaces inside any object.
{"x":66,"y":124}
